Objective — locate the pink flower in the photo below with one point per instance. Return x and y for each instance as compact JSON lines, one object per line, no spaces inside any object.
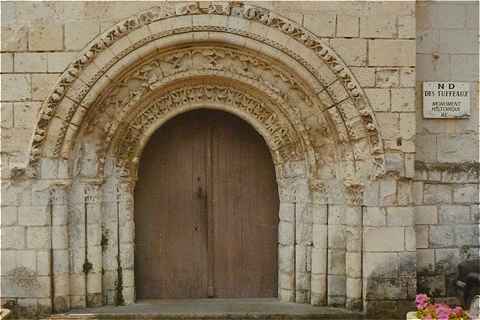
{"x":443,"y":311}
{"x":421,"y":300}
{"x":458,"y":311}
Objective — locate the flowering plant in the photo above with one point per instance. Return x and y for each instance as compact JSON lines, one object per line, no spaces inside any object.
{"x":428,"y":310}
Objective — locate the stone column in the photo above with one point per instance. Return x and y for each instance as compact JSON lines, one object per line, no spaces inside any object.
{"x":336,"y":255}
{"x":60,"y":247}
{"x":303,"y":251}
{"x":319,"y":255}
{"x":109,"y":240}
{"x":286,"y":251}
{"x":93,"y":263}
{"x":353,"y":259}
{"x":126,"y":238}
{"x":76,"y":238}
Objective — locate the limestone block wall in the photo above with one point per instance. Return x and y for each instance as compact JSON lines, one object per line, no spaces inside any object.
{"x":446,"y":190}
{"x":371,"y":247}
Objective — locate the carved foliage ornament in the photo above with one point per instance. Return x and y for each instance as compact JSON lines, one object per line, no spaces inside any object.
{"x":134,"y":87}
{"x":234,"y":9}
{"x":281,"y":137}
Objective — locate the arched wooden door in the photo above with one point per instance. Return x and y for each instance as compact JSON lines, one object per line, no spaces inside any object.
{"x":206,"y":211}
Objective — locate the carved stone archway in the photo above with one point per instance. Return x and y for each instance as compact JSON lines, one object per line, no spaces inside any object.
{"x":246,"y":60}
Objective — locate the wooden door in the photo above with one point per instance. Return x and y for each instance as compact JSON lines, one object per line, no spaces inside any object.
{"x":206,"y":207}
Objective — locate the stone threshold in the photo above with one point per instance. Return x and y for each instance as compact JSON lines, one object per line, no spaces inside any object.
{"x":193,"y":309}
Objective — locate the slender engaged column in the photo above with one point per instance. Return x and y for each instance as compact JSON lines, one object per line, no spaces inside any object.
{"x":286,"y":235}
{"x":93,"y":223}
{"x":336,"y":256}
{"x":60,"y":263}
{"x":319,"y":255}
{"x":354,"y":257}
{"x":126,"y":238}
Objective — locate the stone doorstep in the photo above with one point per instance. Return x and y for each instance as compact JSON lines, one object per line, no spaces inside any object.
{"x":232,"y":316}
{"x":238,"y":309}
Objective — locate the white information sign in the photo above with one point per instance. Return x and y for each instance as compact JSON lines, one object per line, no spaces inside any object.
{"x":446,"y":99}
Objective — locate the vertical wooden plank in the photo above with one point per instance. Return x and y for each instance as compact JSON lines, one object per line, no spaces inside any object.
{"x":245,"y":205}
{"x":171,"y":230}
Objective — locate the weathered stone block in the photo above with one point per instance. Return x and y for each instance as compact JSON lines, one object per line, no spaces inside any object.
{"x":404,"y":196}
{"x":426,"y":215}
{"x":42,"y":85}
{"x":388,"y":191}
{"x":46,"y":37}
{"x":374,"y":216}
{"x":467,"y":235}
{"x":406,"y":27}
{"x":454,"y":214}
{"x":319,"y":236}
{"x":336,"y":286}
{"x":30,"y":62}
{"x":437,"y":193}
{"x":381,"y":288}
{"x":389,"y":124}
{"x":383,"y":264}
{"x":25,"y":114}
{"x":425,"y":260}
{"x":286,"y":211}
{"x":352,"y":51}
{"x":7,"y":62}
{"x":319,"y":263}
{"x":38,"y":237}
{"x":16,"y":87}
{"x":379,"y":27}
{"x":7,"y":114}
{"x":467,"y":193}
{"x":442,"y":236}
{"x":79,"y":33}
{"x":379,"y":99}
{"x":347,"y":26}
{"x":407,"y":77}
{"x":60,"y":261}
{"x":353,"y":264}
{"x":400,"y":216}
{"x":447,"y":259}
{"x":13,"y":237}
{"x":9,"y":216}
{"x":387,"y":77}
{"x":375,"y":239}
{"x":58,"y":61}
{"x":14,"y":38}
{"x":285,"y":233}
{"x":322,"y":25}
{"x":421,"y":234}
{"x":391,"y":53}
{"x":365,"y":76}
{"x":336,"y":236}
{"x":403,"y":100}
{"x":457,"y":148}
{"x":336,"y":262}
{"x":43,"y":263}
{"x":33,"y":216}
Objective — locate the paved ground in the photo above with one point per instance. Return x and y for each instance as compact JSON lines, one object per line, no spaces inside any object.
{"x":215,"y":309}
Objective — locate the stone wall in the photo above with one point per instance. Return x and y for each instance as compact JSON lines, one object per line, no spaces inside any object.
{"x":446,"y":191}
{"x":370,"y":245}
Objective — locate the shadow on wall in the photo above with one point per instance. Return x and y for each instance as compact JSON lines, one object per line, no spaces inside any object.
{"x":391,"y":284}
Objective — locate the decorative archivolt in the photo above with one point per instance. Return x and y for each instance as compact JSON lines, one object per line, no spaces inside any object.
{"x":283,"y":140}
{"x":351,"y":117}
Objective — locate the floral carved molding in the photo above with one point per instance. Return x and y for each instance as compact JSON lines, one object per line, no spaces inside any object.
{"x":357,"y":100}
{"x":280,"y":136}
